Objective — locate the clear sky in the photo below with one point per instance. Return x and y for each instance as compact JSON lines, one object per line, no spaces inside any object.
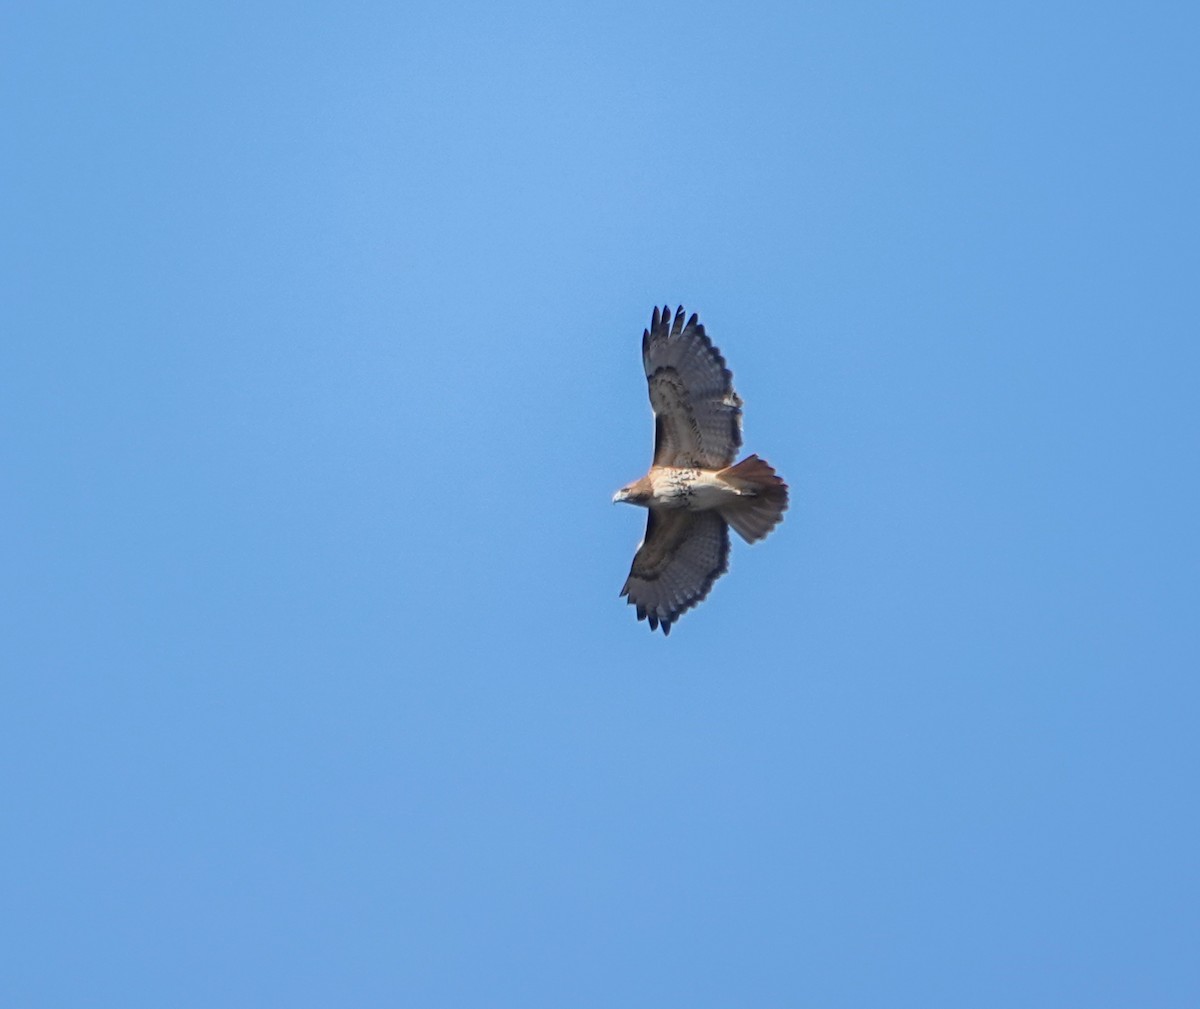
{"x":320,"y":364}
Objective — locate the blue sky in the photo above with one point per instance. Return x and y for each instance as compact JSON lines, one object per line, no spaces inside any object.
{"x":320,"y":366}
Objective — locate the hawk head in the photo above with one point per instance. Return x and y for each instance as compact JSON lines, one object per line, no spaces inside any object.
{"x":637,"y":493}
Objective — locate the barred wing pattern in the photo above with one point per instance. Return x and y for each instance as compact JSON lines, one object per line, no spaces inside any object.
{"x":697,"y":415}
{"x":682,"y":555}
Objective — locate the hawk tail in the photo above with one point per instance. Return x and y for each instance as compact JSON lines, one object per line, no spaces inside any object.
{"x":763,"y":498}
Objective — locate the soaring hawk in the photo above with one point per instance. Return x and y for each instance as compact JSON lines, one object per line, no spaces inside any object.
{"x":693,"y":492}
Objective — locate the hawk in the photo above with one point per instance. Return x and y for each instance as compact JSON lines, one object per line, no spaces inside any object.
{"x":693,"y":492}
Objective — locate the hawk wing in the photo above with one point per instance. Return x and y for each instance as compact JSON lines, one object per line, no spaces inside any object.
{"x":680,"y":558}
{"x":697,"y":415}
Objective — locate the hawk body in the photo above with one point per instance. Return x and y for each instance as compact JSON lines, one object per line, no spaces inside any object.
{"x":692,"y":491}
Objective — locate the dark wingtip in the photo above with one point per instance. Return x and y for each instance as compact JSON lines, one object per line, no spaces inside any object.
{"x":666,"y":628}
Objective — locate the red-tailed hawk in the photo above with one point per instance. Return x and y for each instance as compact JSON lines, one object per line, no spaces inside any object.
{"x":693,"y":492}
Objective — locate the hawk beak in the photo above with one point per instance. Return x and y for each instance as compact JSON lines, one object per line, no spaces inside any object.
{"x":618,"y":497}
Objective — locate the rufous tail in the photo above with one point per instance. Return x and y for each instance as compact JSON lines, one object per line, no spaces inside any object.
{"x":763,"y":500}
